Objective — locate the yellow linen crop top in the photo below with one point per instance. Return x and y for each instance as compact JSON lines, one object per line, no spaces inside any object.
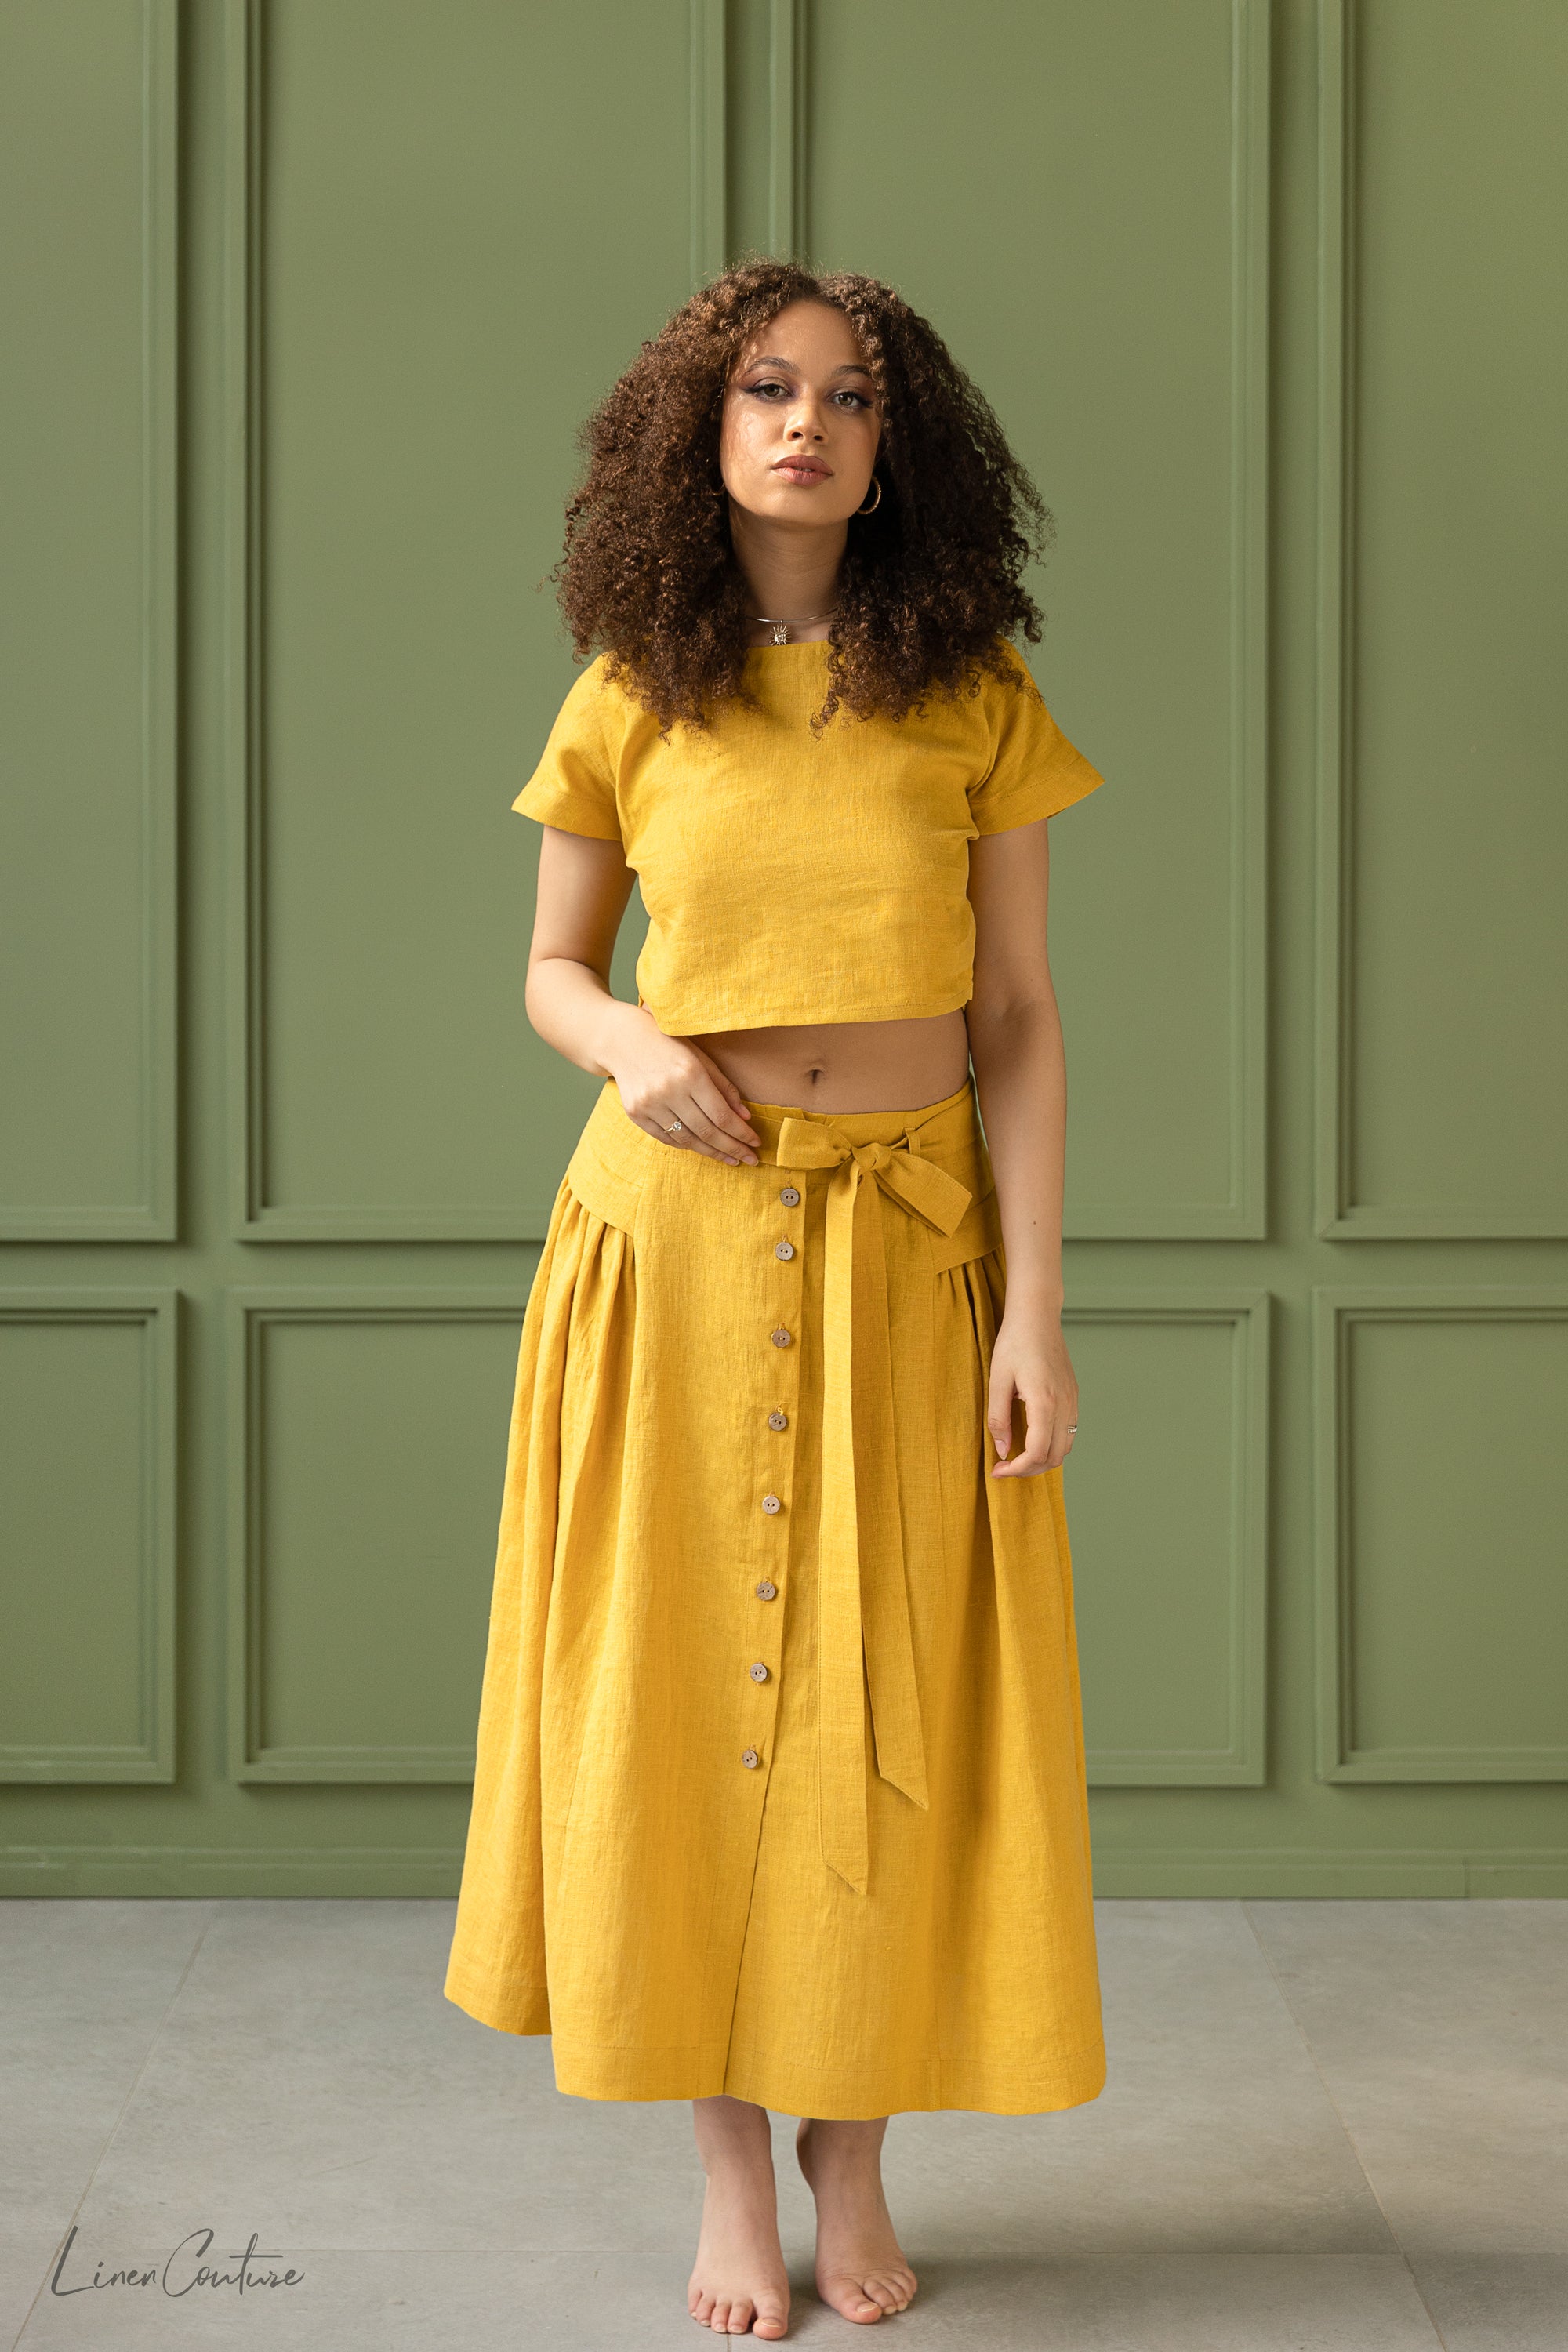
{"x":790,"y":877}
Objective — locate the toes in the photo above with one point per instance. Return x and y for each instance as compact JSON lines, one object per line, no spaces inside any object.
{"x":735,"y":2316}
{"x":871,"y":2296}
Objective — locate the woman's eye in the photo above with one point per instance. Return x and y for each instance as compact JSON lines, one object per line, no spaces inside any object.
{"x":765,"y":391}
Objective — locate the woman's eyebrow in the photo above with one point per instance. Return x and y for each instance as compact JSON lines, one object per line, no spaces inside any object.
{"x":771,"y":359}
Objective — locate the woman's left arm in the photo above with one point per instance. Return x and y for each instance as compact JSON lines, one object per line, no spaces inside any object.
{"x":1020,"y":1075}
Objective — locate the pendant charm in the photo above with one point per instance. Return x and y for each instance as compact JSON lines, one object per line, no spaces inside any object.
{"x":781,"y":633}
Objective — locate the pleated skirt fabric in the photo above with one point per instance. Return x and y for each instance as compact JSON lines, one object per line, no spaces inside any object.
{"x":693,"y":1706}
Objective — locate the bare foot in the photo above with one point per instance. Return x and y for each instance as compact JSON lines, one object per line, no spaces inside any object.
{"x":739,"y":2282}
{"x":860,"y":2266}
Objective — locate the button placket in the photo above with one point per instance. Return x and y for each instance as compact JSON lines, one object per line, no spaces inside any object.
{"x":784,"y":1292}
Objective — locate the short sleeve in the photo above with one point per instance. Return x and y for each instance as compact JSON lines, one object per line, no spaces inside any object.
{"x":1034,"y":770}
{"x":574,"y":786}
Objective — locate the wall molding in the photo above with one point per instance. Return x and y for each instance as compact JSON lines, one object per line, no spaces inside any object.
{"x":1243,"y":1762}
{"x":1335,"y":1312}
{"x":1251,"y":104}
{"x":252,"y":1217}
{"x":1335,"y":682}
{"x":788,"y":129}
{"x":250,"y":1312}
{"x":152,"y":1757}
{"x":1243,"y":1215}
{"x":710,"y":140}
{"x":155,"y":1215}
{"x":1339,"y":1215}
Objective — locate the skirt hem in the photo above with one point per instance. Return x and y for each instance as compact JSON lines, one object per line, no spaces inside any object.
{"x":592,"y":2071}
{"x":525,"y":2009}
{"x":587,"y":2071}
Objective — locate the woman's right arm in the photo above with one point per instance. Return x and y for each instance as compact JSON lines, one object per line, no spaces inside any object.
{"x":585,"y":886}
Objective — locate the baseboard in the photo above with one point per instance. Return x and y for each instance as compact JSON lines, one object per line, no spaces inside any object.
{"x":432,"y":1872}
{"x":186,"y":1873}
{"x":1257,"y":1872}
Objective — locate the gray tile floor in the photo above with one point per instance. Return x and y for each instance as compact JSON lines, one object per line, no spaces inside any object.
{"x":1328,"y":2127}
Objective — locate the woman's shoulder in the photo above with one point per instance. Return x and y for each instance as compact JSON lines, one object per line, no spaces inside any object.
{"x":1005,"y":673}
{"x":991,"y":692}
{"x":589,"y":689}
{"x":595,"y":708}
{"x":604,"y":694}
{"x":990,"y":681}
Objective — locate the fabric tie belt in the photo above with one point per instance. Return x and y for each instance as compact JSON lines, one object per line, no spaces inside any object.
{"x":863,"y":1602}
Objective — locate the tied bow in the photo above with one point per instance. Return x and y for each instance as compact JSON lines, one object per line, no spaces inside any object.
{"x":863,"y":1604}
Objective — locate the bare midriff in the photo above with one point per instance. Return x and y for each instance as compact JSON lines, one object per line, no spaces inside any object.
{"x":846,"y":1066}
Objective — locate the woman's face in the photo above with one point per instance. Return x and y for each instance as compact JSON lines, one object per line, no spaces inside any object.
{"x":801,"y":420}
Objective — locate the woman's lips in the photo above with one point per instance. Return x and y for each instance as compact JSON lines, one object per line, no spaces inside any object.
{"x":801,"y":473}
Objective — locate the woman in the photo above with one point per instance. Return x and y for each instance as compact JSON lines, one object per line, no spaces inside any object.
{"x":780,"y":1795}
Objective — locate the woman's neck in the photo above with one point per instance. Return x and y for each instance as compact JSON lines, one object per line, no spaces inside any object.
{"x":791,"y":571}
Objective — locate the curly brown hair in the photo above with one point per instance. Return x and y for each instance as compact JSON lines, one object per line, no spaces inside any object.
{"x":929,"y":583}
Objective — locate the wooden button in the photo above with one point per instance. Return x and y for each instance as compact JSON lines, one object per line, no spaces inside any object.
{"x":784,"y":1249}
{"x":750,"y":1759}
{"x":778,"y":1421}
{"x":759,"y":1672}
{"x":771,"y":1504}
{"x":790,"y":1197}
{"x":781,"y":1337}
{"x":766,"y":1591}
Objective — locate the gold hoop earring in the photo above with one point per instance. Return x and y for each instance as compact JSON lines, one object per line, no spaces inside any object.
{"x":876,"y":502}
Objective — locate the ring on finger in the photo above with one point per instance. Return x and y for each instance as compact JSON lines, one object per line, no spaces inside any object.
{"x":677,"y":1130}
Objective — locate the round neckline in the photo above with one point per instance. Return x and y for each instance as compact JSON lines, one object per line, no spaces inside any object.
{"x":799,"y":646}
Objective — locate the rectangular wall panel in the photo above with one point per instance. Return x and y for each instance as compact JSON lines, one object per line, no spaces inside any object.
{"x":87,"y":1466}
{"x":1444,"y":477}
{"x":438,"y":265}
{"x":1078,"y":198}
{"x":1169,"y":1501}
{"x":1442,"y":1501}
{"x":89,"y":309}
{"x":367,"y":1447}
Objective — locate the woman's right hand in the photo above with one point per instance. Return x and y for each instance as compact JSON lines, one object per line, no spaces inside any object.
{"x":662,"y":1079}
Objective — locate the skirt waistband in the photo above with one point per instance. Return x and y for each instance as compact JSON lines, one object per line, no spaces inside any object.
{"x":941,"y":1126}
{"x":949,"y":1132}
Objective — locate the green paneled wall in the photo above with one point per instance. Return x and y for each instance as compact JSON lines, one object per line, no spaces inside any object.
{"x":303,"y":301}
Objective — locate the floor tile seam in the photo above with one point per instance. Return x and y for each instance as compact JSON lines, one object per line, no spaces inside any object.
{"x":215,"y":1905}
{"x":1334,"y":2109}
{"x":597,"y":2250}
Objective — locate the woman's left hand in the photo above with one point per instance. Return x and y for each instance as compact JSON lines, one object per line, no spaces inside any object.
{"x":1030,"y":1368}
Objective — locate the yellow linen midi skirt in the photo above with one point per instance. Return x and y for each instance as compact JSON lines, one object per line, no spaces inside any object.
{"x":780,"y":1780}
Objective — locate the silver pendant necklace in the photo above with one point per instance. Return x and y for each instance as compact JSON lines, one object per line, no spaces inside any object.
{"x":781,"y":629}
